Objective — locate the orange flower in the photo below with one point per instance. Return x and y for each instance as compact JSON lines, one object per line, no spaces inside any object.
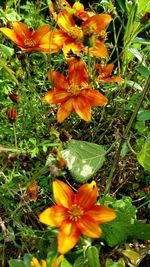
{"x":73,"y":93}
{"x":29,"y":40}
{"x":106,"y":72}
{"x":76,"y":214}
{"x":70,"y":33}
{"x":77,"y":9}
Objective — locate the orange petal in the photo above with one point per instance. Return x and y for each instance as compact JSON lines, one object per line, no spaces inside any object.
{"x":22,"y":30}
{"x":100,"y":22}
{"x":94,"y":97}
{"x":68,"y":236}
{"x":106,"y":71}
{"x":53,"y":216}
{"x":38,"y":34}
{"x":55,"y":96}
{"x":59,"y":80}
{"x":12,"y":36}
{"x":65,"y":20}
{"x":101,"y":214}
{"x":64,"y":110}
{"x":56,"y":262}
{"x":82,"y":107}
{"x":87,"y":195}
{"x":63,"y":194}
{"x":77,"y":72}
{"x":99,"y":50}
{"x":60,"y":37}
{"x":112,"y":79}
{"x":89,"y":227}
{"x":48,"y":98}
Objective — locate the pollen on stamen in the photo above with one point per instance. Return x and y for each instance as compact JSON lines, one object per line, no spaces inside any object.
{"x":76,"y":33}
{"x":75,"y":212}
{"x":29,"y":43}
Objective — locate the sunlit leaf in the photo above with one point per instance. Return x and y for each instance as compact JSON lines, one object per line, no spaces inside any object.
{"x":144,"y":155}
{"x":16,"y":263}
{"x":6,"y":51}
{"x":143,"y":115}
{"x":84,"y":159}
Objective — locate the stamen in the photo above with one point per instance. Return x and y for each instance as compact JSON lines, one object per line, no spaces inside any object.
{"x":29,"y":43}
{"x":75,"y":212}
{"x":90,"y":29}
{"x":76,"y":33}
{"x":74,"y":89}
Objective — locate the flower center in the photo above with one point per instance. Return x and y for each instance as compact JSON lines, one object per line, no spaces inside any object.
{"x":89,"y":29}
{"x":102,"y":75}
{"x":102,"y":35}
{"x":29,"y":43}
{"x":74,"y":89}
{"x":76,"y":33}
{"x":75,"y":212}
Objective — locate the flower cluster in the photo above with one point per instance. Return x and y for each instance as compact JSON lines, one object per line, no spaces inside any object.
{"x":71,"y":93}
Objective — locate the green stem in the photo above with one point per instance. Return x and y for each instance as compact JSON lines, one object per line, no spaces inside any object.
{"x":14,"y":129}
{"x":115,"y":164}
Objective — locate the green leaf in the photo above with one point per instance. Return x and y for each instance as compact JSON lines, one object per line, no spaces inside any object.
{"x":65,"y":263}
{"x":117,"y":231}
{"x":140,"y":230}
{"x":93,"y":257}
{"x":144,"y":155}
{"x":134,"y":85}
{"x":114,"y":264}
{"x":84,"y":159}
{"x":16,"y":263}
{"x":81,"y":262}
{"x":143,"y":115}
{"x":144,"y":71}
{"x":6,"y":51}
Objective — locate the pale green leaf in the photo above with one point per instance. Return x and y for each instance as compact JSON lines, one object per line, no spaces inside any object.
{"x":144,"y":155}
{"x":84,"y":159}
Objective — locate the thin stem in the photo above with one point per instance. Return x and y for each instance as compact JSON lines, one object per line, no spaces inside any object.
{"x":14,"y":129}
{"x":115,"y":164}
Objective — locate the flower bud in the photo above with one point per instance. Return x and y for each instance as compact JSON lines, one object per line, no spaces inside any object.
{"x":12,"y":114}
{"x":14,"y":97}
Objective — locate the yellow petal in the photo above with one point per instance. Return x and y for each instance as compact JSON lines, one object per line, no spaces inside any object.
{"x":94,"y":97}
{"x":63,"y":194}
{"x":65,"y":20}
{"x":53,"y":216}
{"x":67,"y":241}
{"x":12,"y":36}
{"x":56,"y":262}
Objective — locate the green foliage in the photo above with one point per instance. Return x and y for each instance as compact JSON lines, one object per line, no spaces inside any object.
{"x":125,"y":225}
{"x":84,"y":159}
{"x":144,"y":155}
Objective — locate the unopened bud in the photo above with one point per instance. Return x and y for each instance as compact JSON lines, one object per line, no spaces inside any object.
{"x":12,"y":115}
{"x":14,"y":97}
